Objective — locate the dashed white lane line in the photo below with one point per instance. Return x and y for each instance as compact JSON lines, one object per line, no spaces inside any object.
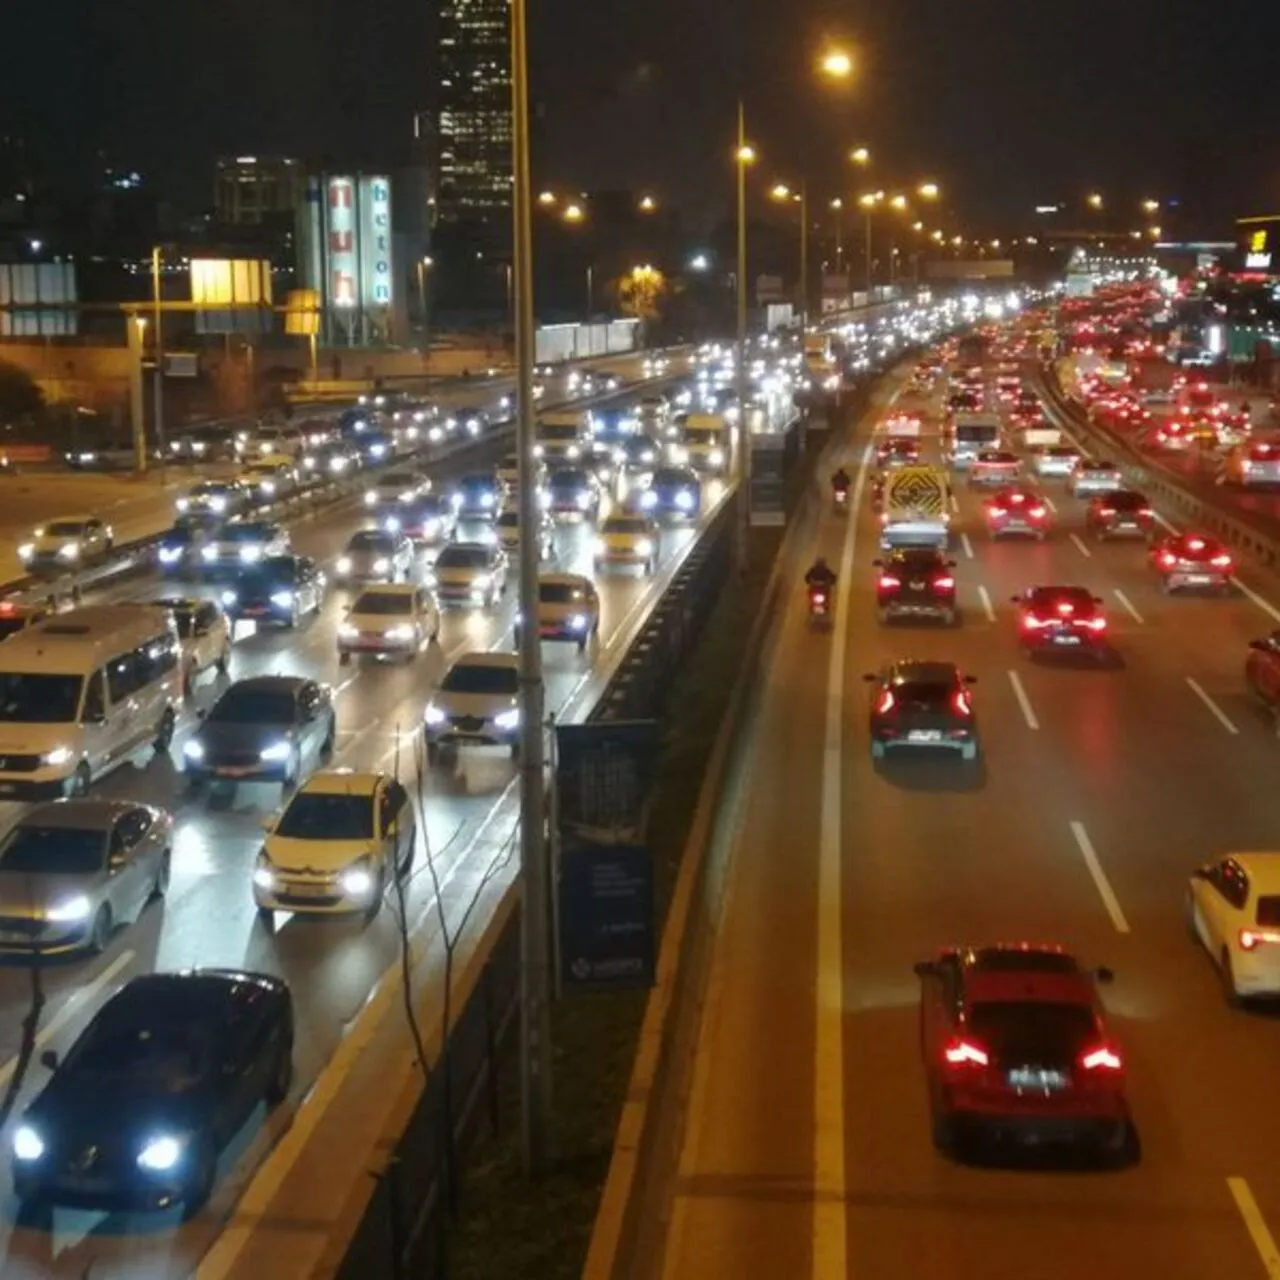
{"x":955,"y":504}
{"x":1028,"y":712}
{"x":1080,"y":547}
{"x":987,"y":607}
{"x":1221,"y":716}
{"x":1105,"y":891}
{"x":1049,"y":502}
{"x":1256,"y":1225}
{"x":1128,"y":605}
{"x":967,"y":545}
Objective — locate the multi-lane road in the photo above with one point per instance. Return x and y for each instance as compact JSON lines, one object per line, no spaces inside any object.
{"x":208,"y":917}
{"x":807,"y":1148}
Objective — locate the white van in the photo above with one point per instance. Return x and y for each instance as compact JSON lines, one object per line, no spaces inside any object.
{"x":81,"y":692}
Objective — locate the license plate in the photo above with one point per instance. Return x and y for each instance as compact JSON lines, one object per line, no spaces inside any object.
{"x":14,"y":935}
{"x":547,"y":630}
{"x":1066,"y":639}
{"x":257,"y":610}
{"x":309,"y":890}
{"x":1036,"y":1078}
{"x":924,"y":735}
{"x":1195,"y":578}
{"x":234,"y":771}
{"x":916,"y":586}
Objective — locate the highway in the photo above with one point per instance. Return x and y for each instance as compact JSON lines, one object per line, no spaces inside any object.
{"x":208,"y":917}
{"x":807,"y":1148}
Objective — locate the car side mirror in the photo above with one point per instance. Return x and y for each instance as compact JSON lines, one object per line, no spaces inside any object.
{"x":49,"y":1059}
{"x":870,"y":678}
{"x":925,"y":968}
{"x":1104,"y":975}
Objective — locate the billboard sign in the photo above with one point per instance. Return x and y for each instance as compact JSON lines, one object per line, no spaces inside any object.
{"x":607,"y":930}
{"x":341,"y":263}
{"x":604,"y":778}
{"x":768,"y":480}
{"x":375,"y":241}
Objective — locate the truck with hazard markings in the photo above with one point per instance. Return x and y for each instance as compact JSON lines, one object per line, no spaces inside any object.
{"x":915,"y":508}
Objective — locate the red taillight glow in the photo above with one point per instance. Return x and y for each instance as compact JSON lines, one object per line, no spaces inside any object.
{"x":1168,"y":559}
{"x":960,"y":703}
{"x":1103,"y":1058}
{"x":964,"y":1053}
{"x":1036,"y":513}
{"x":1094,"y":624}
{"x":885,"y":702}
{"x":1018,"y":498}
{"x":1106,"y":511}
{"x":945,"y":583}
{"x":887,"y":580}
{"x":1195,"y":544}
{"x":1031,"y":622}
{"x":1145,"y":512}
{"x":1066,"y":610}
{"x":1221,"y":562}
{"x":998,"y":513}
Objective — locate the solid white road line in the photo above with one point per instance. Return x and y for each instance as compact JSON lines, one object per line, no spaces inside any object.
{"x":1080,"y":547}
{"x":86,"y":995}
{"x":1265,"y":605}
{"x":1218,"y":713}
{"x":1167,"y":525}
{"x":988,"y":608}
{"x":967,"y":545}
{"x":955,"y":504}
{"x":1128,"y":604}
{"x":1023,"y":701}
{"x":829,"y":1227}
{"x":1049,"y":502}
{"x":1107,"y":894}
{"x":1256,"y":1225}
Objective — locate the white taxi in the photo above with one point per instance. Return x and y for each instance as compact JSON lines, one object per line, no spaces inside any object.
{"x":1233,"y":909}
{"x":67,"y":543}
{"x":568,"y":608}
{"x":337,"y":846}
{"x":476,"y":705}
{"x":627,"y":539}
{"x":390,"y":619}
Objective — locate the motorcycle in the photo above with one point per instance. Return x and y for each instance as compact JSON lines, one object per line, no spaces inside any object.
{"x":840,"y":501}
{"x":820,"y":606}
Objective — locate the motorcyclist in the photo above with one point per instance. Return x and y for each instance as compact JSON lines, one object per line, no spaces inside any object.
{"x":840,"y":482}
{"x":820,"y":576}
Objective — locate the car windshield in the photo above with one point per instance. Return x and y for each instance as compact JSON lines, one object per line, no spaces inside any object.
{"x":397,"y":482}
{"x":469,"y":677}
{"x":10,"y":626}
{"x":383,"y":602}
{"x":59,"y":851}
{"x":479,"y":481}
{"x":917,"y":561}
{"x":669,"y":477}
{"x":247,"y":533}
{"x":185,"y":620}
{"x":274,"y":572}
{"x":1024,"y":1031}
{"x":624,"y":524}
{"x":371,"y":542}
{"x":508,"y":520}
{"x":560,"y":593}
{"x":1062,"y":451}
{"x":922,"y":693}
{"x":432,"y":506}
{"x":703,"y":436}
{"x":1105,"y":468}
{"x":463,"y":557}
{"x":1127,"y":501}
{"x":176,"y":1054}
{"x":210,"y":491}
{"x":1051,"y":597}
{"x":253,"y":706}
{"x":557,"y":431}
{"x":568,"y":480}
{"x":31,"y":698}
{"x":64,"y":529}
{"x":320,"y":816}
{"x":969,"y":432}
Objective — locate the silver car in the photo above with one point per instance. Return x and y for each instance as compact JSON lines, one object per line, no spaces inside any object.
{"x":72,"y":870}
{"x":1091,"y":478}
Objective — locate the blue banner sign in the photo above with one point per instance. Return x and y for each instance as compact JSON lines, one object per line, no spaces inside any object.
{"x":607,"y":930}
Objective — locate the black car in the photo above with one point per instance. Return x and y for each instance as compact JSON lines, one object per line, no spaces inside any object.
{"x":637,"y":457}
{"x":611,"y":428}
{"x":477,"y":496}
{"x":674,"y":493}
{"x":376,"y":447}
{"x":922,"y":704}
{"x":263,"y":729}
{"x":574,"y":493}
{"x":916,"y":582}
{"x":139,"y":1110}
{"x":179,"y":550}
{"x":279,"y":590}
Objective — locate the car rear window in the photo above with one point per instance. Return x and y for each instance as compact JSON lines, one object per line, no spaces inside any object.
{"x":1048,"y":597}
{"x":1025,"y":1031}
{"x":460,"y":556}
{"x":371,"y":542}
{"x":1127,"y":501}
{"x":1268,"y":912}
{"x":921,"y":693}
{"x":559,"y":593}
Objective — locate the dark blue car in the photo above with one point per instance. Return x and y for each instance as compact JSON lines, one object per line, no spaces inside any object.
{"x":675,"y":493}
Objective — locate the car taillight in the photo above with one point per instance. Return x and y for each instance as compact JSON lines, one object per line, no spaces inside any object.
{"x":1106,"y":511}
{"x":1221,"y":562}
{"x":1094,"y":624}
{"x":884,"y":703}
{"x":1031,"y":622}
{"x":1145,"y":512}
{"x":1102,"y":1058}
{"x":1036,"y":513}
{"x":1253,"y":938}
{"x":1017,"y":499}
{"x":945,"y":583}
{"x":1195,"y":544}
{"x":888,"y":581}
{"x":964,"y":1053}
{"x":960,"y":703}
{"x":998,"y":513}
{"x":1168,"y":559}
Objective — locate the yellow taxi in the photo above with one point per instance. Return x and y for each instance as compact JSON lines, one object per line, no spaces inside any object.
{"x":628,"y":539}
{"x":568,"y":608}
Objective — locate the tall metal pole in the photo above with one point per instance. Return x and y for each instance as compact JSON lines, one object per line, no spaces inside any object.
{"x":158,"y":347}
{"x":535,"y":935}
{"x":591,"y":291}
{"x":804,"y":256}
{"x":868,"y":264}
{"x":740,"y":364}
{"x":134,"y":327}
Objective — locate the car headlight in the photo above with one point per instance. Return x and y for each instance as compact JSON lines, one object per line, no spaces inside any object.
{"x":402,"y":632}
{"x":648,"y":498}
{"x":430,"y":528}
{"x":381,"y":565}
{"x":183,"y":504}
{"x":377,"y":450}
{"x":507,"y":719}
{"x":69,"y":550}
{"x":170,"y":555}
{"x":357,"y":880}
{"x":482,"y":582}
{"x":284,"y":599}
{"x":391,"y":524}
{"x":264,"y":874}
{"x":644,"y":547}
{"x":70,"y":910}
{"x":276,"y":751}
{"x":599,"y":546}
{"x":716,"y":457}
{"x":433,"y":715}
{"x":344,"y":564}
{"x":229,"y":597}
{"x":578,"y":622}
{"x":193,"y":750}
{"x":58,"y":756}
{"x":268,"y":487}
{"x":584,"y":500}
{"x":161,"y":1153}
{"x":684,"y":500}
{"x":538,"y":450}
{"x":249,"y":554}
{"x":679,"y":454}
{"x":27,"y":1143}
{"x":573,"y":451}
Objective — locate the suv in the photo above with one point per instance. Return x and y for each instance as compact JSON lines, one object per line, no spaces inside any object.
{"x":916,"y":582}
{"x":1125,"y":513}
{"x":1016,"y":1047}
{"x":922,"y":704}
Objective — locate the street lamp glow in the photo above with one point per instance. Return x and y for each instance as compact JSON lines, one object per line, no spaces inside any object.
{"x":870,"y":199}
{"x":573,"y":213}
{"x":860,"y":155}
{"x":699,"y":262}
{"x":746,"y":154}
{"x":937,"y":237}
{"x":837,"y":203}
{"x":648,"y":204}
{"x":927,"y":191}
{"x":917,"y":226}
{"x":1154,"y":232}
{"x":780,"y":191}
{"x":899,"y":202}
{"x":995,"y":244}
{"x":546,"y":198}
{"x":1150,"y":206}
{"x":957,"y":241}
{"x":837,"y":64}
{"x":1095,"y":201}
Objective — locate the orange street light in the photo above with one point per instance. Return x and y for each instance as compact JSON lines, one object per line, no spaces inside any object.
{"x":898,"y":202}
{"x":546,"y":199}
{"x":928,"y":191}
{"x":648,"y":204}
{"x":1095,"y":201}
{"x":780,"y":191}
{"x":836,"y":64}
{"x":837,"y":203}
{"x":870,"y":199}
{"x":1150,"y":206}
{"x":573,"y":213}
{"x":746,"y":154}
{"x":860,"y":156}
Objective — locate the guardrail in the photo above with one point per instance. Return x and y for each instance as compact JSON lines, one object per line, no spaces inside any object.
{"x":1239,"y":530}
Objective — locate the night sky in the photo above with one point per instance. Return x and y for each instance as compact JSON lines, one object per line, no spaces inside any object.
{"x":1007,"y":103}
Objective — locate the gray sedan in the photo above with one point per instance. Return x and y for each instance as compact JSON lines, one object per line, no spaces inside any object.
{"x":72,"y":870}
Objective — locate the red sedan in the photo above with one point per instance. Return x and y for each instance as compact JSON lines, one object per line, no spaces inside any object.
{"x":1017,"y":512}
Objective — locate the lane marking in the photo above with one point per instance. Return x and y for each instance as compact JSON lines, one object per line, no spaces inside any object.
{"x":1264,"y":604}
{"x":1221,"y":716}
{"x":829,"y":1220}
{"x":1256,"y":1225}
{"x":1080,"y":547}
{"x":1168,"y":525}
{"x":1049,"y":502}
{"x":1128,"y":604}
{"x":955,"y":504}
{"x":1028,"y":714}
{"x":1107,"y":894}
{"x":967,"y":545}
{"x":988,"y":608}
{"x":70,"y":1007}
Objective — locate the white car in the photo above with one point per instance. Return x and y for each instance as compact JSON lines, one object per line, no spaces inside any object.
{"x":469,"y":574}
{"x":396,"y":487}
{"x":389,"y":619}
{"x":337,"y":847}
{"x":1057,"y":461}
{"x":1233,"y":908}
{"x":374,"y":555}
{"x":995,"y":467}
{"x":67,"y":543}
{"x":477,"y":705}
{"x":268,"y":480}
{"x":205,"y":635}
{"x":1091,"y":478}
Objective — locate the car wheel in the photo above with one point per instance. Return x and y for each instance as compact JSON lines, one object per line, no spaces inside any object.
{"x":164,"y":735}
{"x":950,"y":618}
{"x":196,"y":1193}
{"x":100,"y":930}
{"x":78,"y":783}
{"x":294,"y":617}
{"x":1227,"y":974}
{"x":375,"y":903}
{"x":281,"y":1080}
{"x":160,"y":886}
{"x":943,"y":1129}
{"x":267,"y":919}
{"x":969,"y":752}
{"x":1118,"y":1146}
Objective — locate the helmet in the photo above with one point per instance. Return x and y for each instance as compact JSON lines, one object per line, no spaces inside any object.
{"x":820,"y":562}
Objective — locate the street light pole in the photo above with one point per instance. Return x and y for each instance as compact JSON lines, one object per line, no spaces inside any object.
{"x":535,"y":876}
{"x":868,"y":250}
{"x":591,"y":291}
{"x":804,"y":257}
{"x":740,"y":364}
{"x":158,"y":387}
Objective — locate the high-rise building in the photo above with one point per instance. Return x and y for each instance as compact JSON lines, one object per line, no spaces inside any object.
{"x":474,"y":116}
{"x":251,"y":190}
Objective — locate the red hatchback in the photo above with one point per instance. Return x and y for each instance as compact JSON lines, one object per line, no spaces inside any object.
{"x":1062,"y":619}
{"x":1016,"y":1048}
{"x":1015,"y":511}
{"x":1192,"y":560}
